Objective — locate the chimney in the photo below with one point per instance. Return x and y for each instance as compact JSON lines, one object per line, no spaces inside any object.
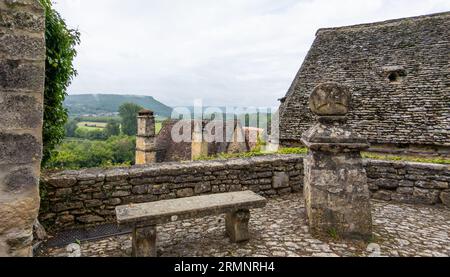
{"x":199,"y":147}
{"x":145,"y":139}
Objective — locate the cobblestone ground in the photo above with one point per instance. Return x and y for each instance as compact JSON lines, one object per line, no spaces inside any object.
{"x":280,"y":229}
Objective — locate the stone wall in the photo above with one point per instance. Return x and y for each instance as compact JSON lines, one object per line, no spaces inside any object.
{"x":86,"y":197}
{"x":89,"y":197}
{"x":22,"y":74}
{"x":412,"y":183}
{"x":409,"y":110}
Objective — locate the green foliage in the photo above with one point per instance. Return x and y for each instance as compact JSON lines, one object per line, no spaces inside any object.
{"x":433,"y":160}
{"x":76,"y":154}
{"x":94,"y":134}
{"x":129,"y":112}
{"x":298,"y":151}
{"x":99,"y":119}
{"x":59,"y":71}
{"x":70,"y":128}
{"x":255,"y":153}
{"x":112,"y":129}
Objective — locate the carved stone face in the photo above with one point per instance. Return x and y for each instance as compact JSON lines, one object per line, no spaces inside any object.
{"x":330,"y":99}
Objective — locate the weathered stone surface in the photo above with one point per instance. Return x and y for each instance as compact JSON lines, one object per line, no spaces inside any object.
{"x":383,"y":195}
{"x":90,"y":219}
{"x":21,"y":19}
{"x":336,"y":192}
{"x":187,"y":192}
{"x":426,"y":196}
{"x":20,"y":111}
{"x":411,"y":52}
{"x":445,"y":198}
{"x":22,"y":74}
{"x":280,"y":180}
{"x":21,"y":180}
{"x":144,"y":242}
{"x":19,"y":149}
{"x":17,"y":75}
{"x":178,"y":209}
{"x":330,"y":99}
{"x":22,"y":47}
{"x":401,"y":230}
{"x":237,"y":225}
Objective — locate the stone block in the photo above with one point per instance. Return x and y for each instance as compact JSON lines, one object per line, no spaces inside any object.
{"x":202,"y":188}
{"x":20,"y":111}
{"x":18,"y":47}
{"x":21,"y":19}
{"x":432,"y":184}
{"x":88,"y":219}
{"x":280,"y":180}
{"x":237,"y":225}
{"x":387,"y":183}
{"x":383,"y":195}
{"x":187,"y":192}
{"x":426,"y":196}
{"x":445,"y":198}
{"x":20,"y":180}
{"x":16,"y":75}
{"x":19,"y":148}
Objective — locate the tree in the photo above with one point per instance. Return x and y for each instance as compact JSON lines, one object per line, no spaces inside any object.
{"x":129,"y":112}
{"x":70,"y":128}
{"x":59,"y":72}
{"x":112,"y":128}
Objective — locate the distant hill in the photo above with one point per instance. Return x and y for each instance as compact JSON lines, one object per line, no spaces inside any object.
{"x":101,"y":104}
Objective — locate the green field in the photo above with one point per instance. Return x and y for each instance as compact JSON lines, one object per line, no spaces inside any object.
{"x":91,"y":126}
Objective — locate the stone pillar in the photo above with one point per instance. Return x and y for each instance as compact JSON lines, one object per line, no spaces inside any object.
{"x":336,"y":192}
{"x":22,"y":75}
{"x":145,"y":139}
{"x":199,"y":147}
{"x":237,"y":225}
{"x":144,"y":242}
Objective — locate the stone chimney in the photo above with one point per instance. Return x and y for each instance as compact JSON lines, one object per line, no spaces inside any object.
{"x":145,"y":139}
{"x":199,"y":147}
{"x":336,"y":192}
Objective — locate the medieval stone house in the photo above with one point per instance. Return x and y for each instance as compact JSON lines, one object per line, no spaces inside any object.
{"x":205,"y":138}
{"x":399,"y":74}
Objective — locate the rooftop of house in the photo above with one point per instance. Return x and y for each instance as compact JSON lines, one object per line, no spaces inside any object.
{"x":397,"y":71}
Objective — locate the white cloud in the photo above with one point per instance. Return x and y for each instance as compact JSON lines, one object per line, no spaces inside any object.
{"x":229,"y":52}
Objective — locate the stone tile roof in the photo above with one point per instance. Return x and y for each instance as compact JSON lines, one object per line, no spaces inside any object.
{"x":398,"y":72}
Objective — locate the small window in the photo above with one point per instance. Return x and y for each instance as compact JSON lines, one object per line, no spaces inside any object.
{"x":394,"y":74}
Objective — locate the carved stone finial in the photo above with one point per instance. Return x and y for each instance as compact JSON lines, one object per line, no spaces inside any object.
{"x":330,"y":99}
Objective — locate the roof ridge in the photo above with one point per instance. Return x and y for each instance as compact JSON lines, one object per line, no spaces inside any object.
{"x":385,"y":22}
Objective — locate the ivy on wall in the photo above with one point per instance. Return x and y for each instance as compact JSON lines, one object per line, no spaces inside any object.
{"x":59,"y":72}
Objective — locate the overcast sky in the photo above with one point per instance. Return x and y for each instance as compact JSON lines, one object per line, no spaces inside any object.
{"x":226,"y":52}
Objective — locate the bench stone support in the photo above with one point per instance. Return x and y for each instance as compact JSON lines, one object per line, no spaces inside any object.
{"x":144,"y":242}
{"x":237,"y":225}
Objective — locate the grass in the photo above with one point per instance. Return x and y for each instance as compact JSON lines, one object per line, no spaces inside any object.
{"x":304,"y":151}
{"x":92,"y":125}
{"x":256,"y":153}
{"x":430,"y":160}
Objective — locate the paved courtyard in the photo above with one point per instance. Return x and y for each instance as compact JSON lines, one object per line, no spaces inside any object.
{"x":280,"y":230}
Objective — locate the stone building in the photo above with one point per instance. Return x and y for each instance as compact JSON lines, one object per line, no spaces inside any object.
{"x":200,"y":138}
{"x":398,"y":73}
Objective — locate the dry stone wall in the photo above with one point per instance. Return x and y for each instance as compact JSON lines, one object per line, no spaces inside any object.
{"x":83,"y":198}
{"x":88,"y":197}
{"x":22,"y":74}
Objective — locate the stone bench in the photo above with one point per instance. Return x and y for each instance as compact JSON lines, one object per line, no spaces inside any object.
{"x":144,"y":218}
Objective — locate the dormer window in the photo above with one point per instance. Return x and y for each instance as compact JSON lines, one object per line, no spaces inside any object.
{"x":394,"y":74}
